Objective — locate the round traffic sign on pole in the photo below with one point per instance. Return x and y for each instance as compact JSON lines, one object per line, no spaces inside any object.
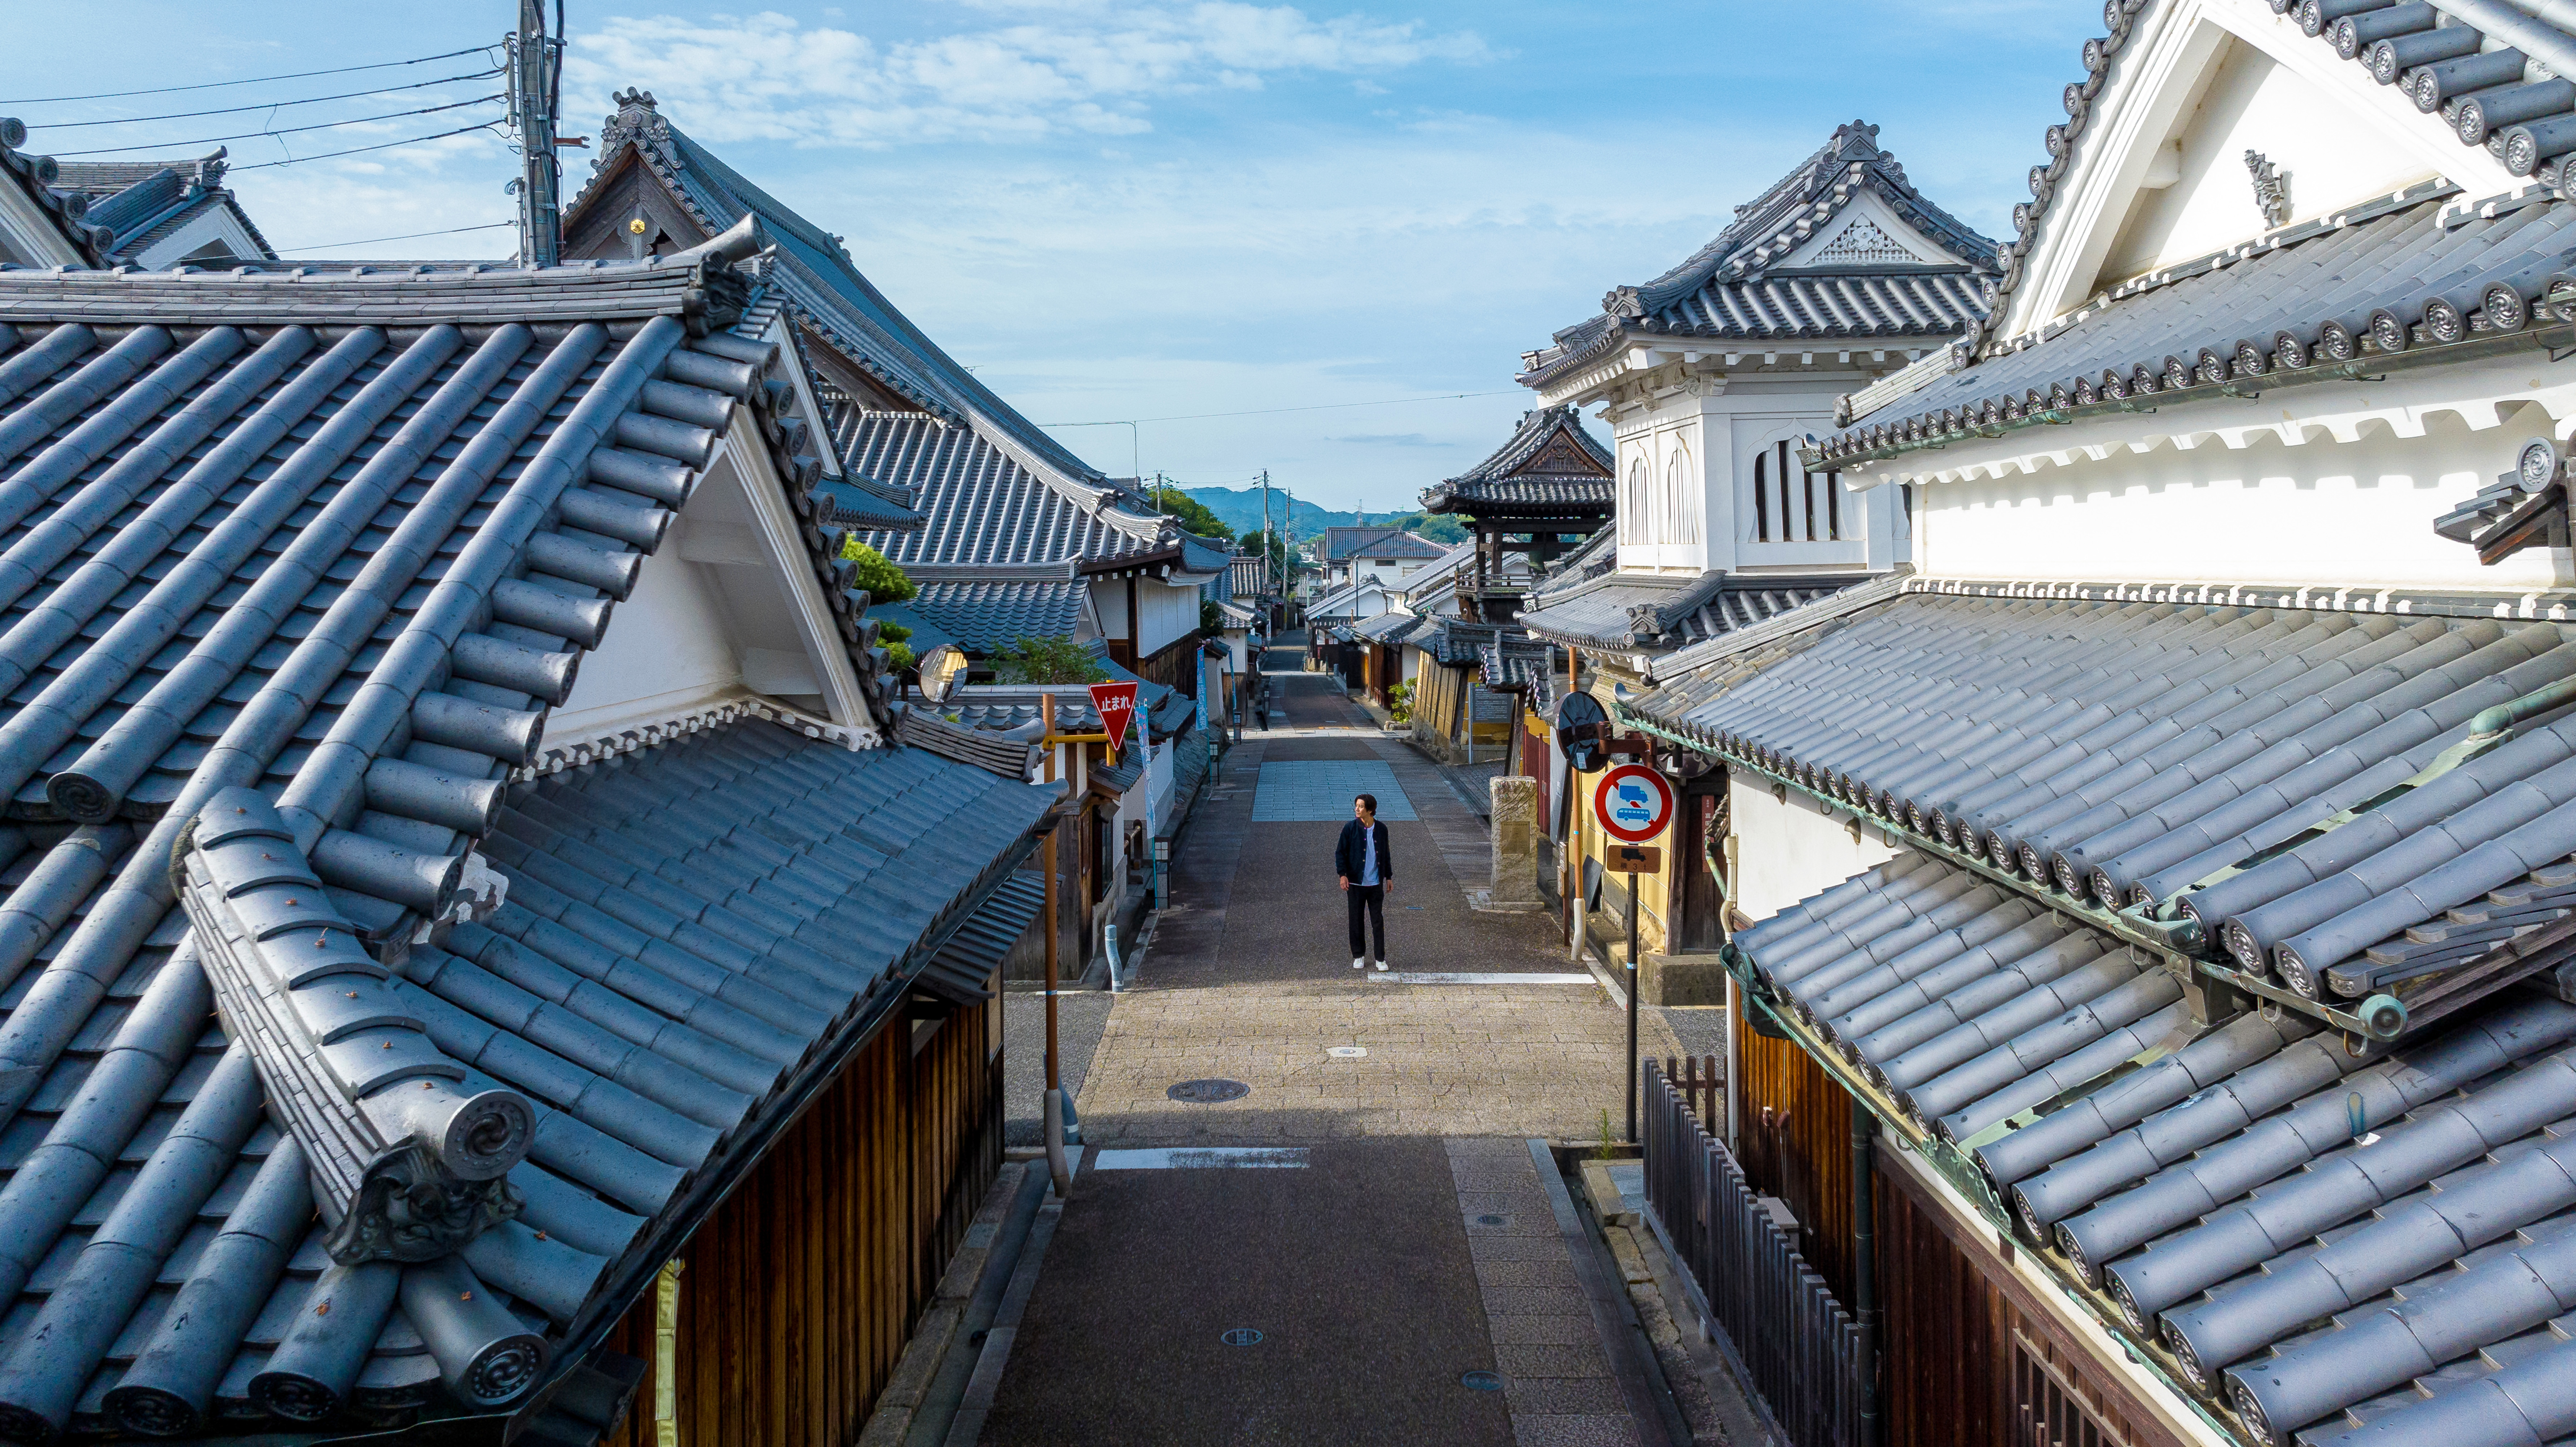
{"x":1633,"y":803}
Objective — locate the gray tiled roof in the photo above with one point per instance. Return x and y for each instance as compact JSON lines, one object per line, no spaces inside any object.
{"x":1388,"y":629}
{"x":2314,"y":1239}
{"x":923,"y":727}
{"x":139,"y":202}
{"x":2298,"y":302}
{"x":1342,"y":542}
{"x":1732,"y":287}
{"x":989,"y":617}
{"x":2131,"y":752}
{"x":982,"y":507}
{"x":1550,"y":461}
{"x":826,"y":287}
{"x":1502,"y":666}
{"x":964,"y":970}
{"x":349,"y":572}
{"x":1660,"y":611}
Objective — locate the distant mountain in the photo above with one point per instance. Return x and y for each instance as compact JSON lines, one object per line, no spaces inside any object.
{"x":1240,"y":509}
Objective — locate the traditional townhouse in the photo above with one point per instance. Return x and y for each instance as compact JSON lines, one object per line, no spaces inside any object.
{"x":1385,"y":556}
{"x":436,"y":905}
{"x":2151,"y":917}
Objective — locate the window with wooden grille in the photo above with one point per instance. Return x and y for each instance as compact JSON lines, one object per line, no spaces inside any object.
{"x":2050,"y":1408}
{"x":1791,"y":504}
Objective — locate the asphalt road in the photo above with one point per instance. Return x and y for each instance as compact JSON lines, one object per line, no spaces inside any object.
{"x":1355,"y":1271}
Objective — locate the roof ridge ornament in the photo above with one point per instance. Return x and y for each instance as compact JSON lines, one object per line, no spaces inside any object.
{"x":2271,"y":188}
{"x":407,"y":1164}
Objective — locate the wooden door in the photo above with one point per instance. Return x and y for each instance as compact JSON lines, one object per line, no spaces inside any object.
{"x":1703,"y":836}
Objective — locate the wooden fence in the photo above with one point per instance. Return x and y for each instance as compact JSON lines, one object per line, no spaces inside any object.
{"x":1797,"y":1343}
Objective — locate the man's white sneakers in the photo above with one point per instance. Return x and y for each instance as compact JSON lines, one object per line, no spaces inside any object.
{"x":1381,"y":967}
{"x":1361,"y":963}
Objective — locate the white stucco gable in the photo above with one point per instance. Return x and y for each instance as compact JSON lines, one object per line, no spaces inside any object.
{"x":1867,"y":232}
{"x":2158,"y":172}
{"x":728,"y":612}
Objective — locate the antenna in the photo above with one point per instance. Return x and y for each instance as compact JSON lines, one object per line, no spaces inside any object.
{"x":536,"y":73}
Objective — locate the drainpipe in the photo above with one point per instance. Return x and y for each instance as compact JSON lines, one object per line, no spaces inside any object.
{"x":1734,"y":1004}
{"x":1865,"y":1268}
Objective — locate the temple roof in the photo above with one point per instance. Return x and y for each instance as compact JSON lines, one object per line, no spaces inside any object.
{"x":1551,"y":463}
{"x":1760,"y":278}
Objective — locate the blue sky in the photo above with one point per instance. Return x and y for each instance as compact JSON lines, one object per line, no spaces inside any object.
{"x":1154,"y":210}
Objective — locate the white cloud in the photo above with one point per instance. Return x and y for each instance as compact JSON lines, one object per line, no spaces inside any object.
{"x":1081,"y":69}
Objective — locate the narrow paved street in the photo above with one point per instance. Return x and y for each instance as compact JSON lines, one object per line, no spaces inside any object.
{"x":1379,"y":1219}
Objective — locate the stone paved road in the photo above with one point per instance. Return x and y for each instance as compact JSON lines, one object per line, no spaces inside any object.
{"x":1370,"y":1270}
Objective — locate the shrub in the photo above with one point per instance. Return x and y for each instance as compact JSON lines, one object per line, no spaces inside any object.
{"x":877,"y":573}
{"x":1048,"y":660}
{"x":1399,"y":700}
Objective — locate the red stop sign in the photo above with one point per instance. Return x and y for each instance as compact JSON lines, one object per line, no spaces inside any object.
{"x":1117,"y":705}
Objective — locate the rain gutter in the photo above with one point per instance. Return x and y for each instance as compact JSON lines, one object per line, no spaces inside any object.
{"x":2371,"y":368}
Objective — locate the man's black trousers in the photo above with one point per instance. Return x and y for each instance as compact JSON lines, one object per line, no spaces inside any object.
{"x":1368,"y":911}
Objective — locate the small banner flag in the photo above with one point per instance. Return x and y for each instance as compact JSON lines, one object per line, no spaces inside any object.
{"x":1117,"y":705}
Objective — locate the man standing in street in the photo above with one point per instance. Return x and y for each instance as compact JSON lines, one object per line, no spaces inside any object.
{"x":1366,"y":869}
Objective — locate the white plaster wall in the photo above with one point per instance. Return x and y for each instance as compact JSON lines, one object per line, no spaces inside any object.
{"x":666,"y":652}
{"x":1109,"y":601}
{"x":1169,"y":613}
{"x":2247,"y":102}
{"x":1707,"y":520}
{"x":2349,"y":513}
{"x":1787,"y":851}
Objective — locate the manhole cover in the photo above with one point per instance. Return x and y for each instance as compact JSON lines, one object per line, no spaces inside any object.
{"x":1346,"y":1052}
{"x":1482,"y":1382}
{"x":1243,"y":1336}
{"x":1208,"y":1092}
{"x":1491,"y":1220}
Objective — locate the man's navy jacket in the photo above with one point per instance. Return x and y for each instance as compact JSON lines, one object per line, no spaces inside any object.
{"x":1346,"y":853}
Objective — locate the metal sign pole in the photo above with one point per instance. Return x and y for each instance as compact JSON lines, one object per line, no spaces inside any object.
{"x":1633,"y":979}
{"x":1054,"y":1110}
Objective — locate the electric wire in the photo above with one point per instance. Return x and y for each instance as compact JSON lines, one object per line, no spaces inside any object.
{"x":264,"y":105}
{"x":253,"y":80}
{"x":362,"y":150}
{"x":1267,"y":411}
{"x":406,"y":236}
{"x":284,"y":131}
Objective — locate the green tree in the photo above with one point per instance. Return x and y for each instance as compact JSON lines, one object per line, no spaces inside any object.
{"x":1438,"y":527}
{"x":1191,"y":513}
{"x":1048,"y":660}
{"x":1256,"y":542}
{"x":884,"y":582}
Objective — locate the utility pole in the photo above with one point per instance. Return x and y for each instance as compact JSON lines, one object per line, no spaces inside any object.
{"x":1269,"y":539}
{"x":536,"y":73}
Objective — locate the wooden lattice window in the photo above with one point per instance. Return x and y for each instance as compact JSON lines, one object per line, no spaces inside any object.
{"x":2051,"y":1408}
{"x":1808,"y":509}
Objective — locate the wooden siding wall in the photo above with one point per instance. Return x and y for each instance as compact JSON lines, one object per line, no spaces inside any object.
{"x":802,"y":1289}
{"x":1796,"y":1139}
{"x":1970,"y":1362}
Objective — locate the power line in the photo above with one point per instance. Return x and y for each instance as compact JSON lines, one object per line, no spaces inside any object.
{"x":254,"y":80}
{"x":1267,"y":411}
{"x":284,"y":131}
{"x":362,"y":150}
{"x":406,"y":236}
{"x":264,"y":105}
